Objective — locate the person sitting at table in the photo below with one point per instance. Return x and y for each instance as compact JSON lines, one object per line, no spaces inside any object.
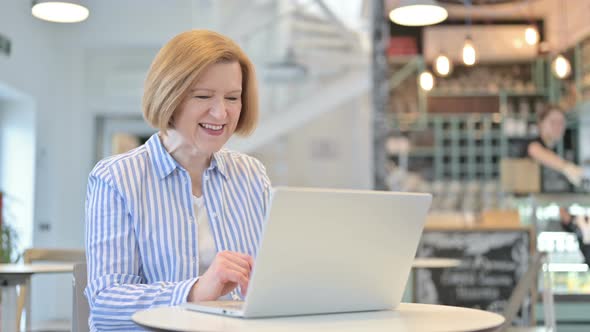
{"x":179,"y":218}
{"x":551,"y":124}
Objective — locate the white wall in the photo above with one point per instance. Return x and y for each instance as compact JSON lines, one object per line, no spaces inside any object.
{"x":113,"y":27}
{"x":48,"y":63}
{"x":30,"y":69}
{"x":17,"y":160}
{"x":333,"y":150}
{"x":33,"y":69}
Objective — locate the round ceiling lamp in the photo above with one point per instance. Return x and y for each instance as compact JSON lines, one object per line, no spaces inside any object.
{"x":418,"y":13}
{"x":66,"y":11}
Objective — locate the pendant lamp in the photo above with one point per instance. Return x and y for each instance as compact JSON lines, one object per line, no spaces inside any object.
{"x":443,"y":66}
{"x":426,"y":80}
{"x":561,"y":67}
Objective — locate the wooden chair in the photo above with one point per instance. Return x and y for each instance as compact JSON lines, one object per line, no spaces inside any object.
{"x":528,"y":283}
{"x":46,"y":255}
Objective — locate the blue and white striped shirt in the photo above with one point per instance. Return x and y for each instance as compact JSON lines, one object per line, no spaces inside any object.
{"x":141,"y":230}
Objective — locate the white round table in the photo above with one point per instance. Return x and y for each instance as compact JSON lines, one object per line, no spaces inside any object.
{"x":17,"y":273}
{"x":12,"y":275}
{"x":408,"y":317}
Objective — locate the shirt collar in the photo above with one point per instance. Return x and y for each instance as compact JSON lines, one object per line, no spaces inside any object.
{"x":218,"y":163}
{"x":164,"y":164}
{"x":161,"y":160}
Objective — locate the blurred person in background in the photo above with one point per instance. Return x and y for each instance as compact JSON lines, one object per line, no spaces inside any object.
{"x":551,"y":124}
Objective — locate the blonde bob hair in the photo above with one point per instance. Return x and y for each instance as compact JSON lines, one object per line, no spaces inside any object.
{"x":178,"y":66}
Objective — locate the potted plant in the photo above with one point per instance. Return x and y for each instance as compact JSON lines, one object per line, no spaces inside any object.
{"x":8,"y":237}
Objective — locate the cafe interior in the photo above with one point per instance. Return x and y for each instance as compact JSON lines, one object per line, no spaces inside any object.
{"x":446,"y":97}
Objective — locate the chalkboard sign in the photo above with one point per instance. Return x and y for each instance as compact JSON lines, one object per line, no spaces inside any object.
{"x":492,"y":263}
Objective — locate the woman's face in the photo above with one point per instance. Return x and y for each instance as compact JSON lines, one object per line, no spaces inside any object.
{"x":209,"y":115}
{"x":553,"y":126}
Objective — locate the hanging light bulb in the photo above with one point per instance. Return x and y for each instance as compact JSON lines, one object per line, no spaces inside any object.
{"x":531,"y":35}
{"x":561,"y":67}
{"x":443,"y":65}
{"x":426,"y":80}
{"x":469,"y":54}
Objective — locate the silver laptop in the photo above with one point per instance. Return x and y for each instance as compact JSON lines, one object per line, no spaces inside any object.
{"x":328,"y":251}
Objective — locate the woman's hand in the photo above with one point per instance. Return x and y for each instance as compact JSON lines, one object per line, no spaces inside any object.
{"x":573,"y":173}
{"x":228,"y":270}
{"x":564,"y":216}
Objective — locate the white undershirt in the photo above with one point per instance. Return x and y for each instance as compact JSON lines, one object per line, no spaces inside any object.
{"x":207,"y":250}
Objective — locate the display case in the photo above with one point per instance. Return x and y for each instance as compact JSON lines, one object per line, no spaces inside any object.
{"x":570,"y":276}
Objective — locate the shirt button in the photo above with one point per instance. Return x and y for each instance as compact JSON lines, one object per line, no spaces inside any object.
{"x":214,"y":214}
{"x":206,"y":177}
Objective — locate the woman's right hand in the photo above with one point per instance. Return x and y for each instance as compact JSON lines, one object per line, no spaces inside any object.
{"x":228,"y":270}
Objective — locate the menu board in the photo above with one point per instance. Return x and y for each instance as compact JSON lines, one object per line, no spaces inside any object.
{"x":492,"y":263}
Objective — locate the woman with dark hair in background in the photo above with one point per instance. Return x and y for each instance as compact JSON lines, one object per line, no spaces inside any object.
{"x":551,"y":123}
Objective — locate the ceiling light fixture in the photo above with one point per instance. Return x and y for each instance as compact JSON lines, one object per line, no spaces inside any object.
{"x":469,"y":53}
{"x":426,"y":80}
{"x":561,"y":67}
{"x":531,"y":35}
{"x":443,"y":65}
{"x":65,"y":11}
{"x":418,"y":13}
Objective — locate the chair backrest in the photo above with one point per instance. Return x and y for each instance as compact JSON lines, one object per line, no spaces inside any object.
{"x":53,"y":255}
{"x":80,"y":308}
{"x":528,"y":283}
